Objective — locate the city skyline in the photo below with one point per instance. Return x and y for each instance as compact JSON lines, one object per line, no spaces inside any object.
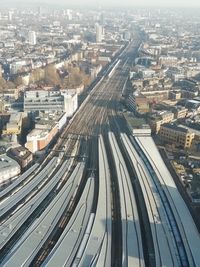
{"x":104,"y":3}
{"x":99,"y":134}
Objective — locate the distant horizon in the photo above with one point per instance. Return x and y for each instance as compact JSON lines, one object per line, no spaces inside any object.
{"x":103,"y":4}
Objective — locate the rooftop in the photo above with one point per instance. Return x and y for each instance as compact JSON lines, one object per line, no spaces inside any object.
{"x":175,"y":127}
{"x":20,"y":152}
{"x":135,"y":123}
{"x":197,"y":132}
{"x":6,"y":162}
{"x":37,"y":133}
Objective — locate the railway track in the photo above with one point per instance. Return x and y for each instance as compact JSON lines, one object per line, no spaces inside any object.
{"x":98,"y":249}
{"x":166,"y":253}
{"x":183,"y":227}
{"x":73,"y":234}
{"x":132,"y":250}
{"x":92,"y":119}
{"x":24,"y":251}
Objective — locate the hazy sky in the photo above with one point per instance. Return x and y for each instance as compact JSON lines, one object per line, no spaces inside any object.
{"x":158,"y":3}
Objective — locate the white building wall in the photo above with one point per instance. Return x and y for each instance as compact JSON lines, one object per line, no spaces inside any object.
{"x":71,"y":104}
{"x":99,"y":33}
{"x":32,"y":38}
{"x":62,"y":121}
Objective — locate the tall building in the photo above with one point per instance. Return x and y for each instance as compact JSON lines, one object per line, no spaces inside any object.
{"x":32,"y":38}
{"x":99,"y":33}
{"x":102,"y":19}
{"x":69,"y":14}
{"x":10,"y":15}
{"x":39,"y":10}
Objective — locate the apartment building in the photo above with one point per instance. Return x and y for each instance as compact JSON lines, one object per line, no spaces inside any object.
{"x":176,"y":135}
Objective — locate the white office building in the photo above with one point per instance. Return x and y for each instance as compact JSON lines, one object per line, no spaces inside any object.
{"x":10,"y":15}
{"x":32,"y":38}
{"x":41,"y":100}
{"x":99,"y":33}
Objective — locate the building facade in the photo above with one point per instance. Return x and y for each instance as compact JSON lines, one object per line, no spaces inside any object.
{"x":32,"y":38}
{"x":138,"y":103}
{"x":39,"y":139}
{"x":22,"y":155}
{"x":14,"y":125}
{"x":41,"y":100}
{"x":99,"y":33}
{"x":160,"y":119}
{"x":176,"y":135}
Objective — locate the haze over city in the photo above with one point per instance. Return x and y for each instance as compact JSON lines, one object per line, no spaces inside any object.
{"x":99,"y":133}
{"x":109,"y":3}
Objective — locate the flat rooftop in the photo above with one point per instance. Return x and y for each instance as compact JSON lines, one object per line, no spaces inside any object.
{"x":6,"y":162}
{"x":38,"y":133}
{"x":134,"y":122}
{"x":175,"y":127}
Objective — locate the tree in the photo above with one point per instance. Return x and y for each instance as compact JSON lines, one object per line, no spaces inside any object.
{"x":2,"y":84}
{"x":18,"y":81}
{"x":51,"y":77}
{"x":37,"y":75}
{"x":10,"y":85}
{"x":75,"y":78}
